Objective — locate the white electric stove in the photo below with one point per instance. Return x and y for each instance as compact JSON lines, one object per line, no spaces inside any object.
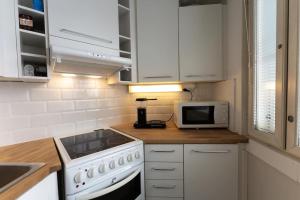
{"x":102,"y":165}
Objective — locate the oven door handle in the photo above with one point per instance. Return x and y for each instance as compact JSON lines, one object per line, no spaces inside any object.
{"x":111,"y":188}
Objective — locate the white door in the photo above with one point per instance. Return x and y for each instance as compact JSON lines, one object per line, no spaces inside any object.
{"x":93,"y":21}
{"x":157,"y":33}
{"x":200,"y":43}
{"x":210,"y":172}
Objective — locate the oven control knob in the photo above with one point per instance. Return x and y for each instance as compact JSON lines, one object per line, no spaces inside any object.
{"x":129,"y":158}
{"x":137,"y":155}
{"x":78,"y":178}
{"x":121,"y":161}
{"x":112,"y":164}
{"x":91,"y":172}
{"x":101,"y":168}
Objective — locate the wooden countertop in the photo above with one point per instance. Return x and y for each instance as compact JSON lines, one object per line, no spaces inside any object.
{"x":173,"y":135}
{"x":39,"y":151}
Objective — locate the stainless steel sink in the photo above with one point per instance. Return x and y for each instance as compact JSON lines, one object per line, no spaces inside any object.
{"x":11,"y":173}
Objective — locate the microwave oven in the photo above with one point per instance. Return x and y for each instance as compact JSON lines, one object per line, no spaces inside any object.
{"x":210,"y":114}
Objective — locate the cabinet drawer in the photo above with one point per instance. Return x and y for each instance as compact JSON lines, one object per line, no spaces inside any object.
{"x":164,"y":153}
{"x":164,"y":188}
{"x":161,"y":170}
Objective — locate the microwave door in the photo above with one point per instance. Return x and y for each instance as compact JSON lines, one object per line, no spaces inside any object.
{"x":192,"y":115}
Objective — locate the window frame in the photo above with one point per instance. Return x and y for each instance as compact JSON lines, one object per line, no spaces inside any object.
{"x":292,"y":91}
{"x":278,"y":137}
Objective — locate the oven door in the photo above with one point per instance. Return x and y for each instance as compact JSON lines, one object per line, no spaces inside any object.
{"x":193,"y":115}
{"x":129,"y":188}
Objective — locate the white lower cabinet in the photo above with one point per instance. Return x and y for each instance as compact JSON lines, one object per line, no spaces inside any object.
{"x":47,"y":189}
{"x":210,"y":172}
{"x":191,"y":172}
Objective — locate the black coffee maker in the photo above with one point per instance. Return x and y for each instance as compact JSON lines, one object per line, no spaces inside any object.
{"x":142,"y":116}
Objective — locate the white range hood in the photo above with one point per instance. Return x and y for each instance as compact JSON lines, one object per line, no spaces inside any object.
{"x":69,"y":60}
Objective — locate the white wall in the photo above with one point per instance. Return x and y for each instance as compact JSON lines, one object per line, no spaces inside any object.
{"x":271,"y":175}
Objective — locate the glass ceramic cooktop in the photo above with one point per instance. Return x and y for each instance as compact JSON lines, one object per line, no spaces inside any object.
{"x":85,"y":144}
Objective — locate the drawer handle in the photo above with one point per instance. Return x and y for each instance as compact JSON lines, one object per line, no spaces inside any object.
{"x":164,"y":187}
{"x":158,"y":77}
{"x":163,"y":169}
{"x":200,"y":75}
{"x":70,"y":32}
{"x":213,"y":151}
{"x":163,"y":151}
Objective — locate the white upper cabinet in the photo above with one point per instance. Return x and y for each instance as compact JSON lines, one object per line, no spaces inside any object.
{"x":200,"y":43}
{"x":8,"y":42}
{"x":93,"y":22}
{"x":157,"y":40}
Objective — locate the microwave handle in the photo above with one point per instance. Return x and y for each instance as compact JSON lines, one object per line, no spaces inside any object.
{"x":111,"y":188}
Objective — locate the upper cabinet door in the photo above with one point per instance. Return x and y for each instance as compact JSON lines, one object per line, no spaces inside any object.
{"x":8,"y":42}
{"x":157,"y":33}
{"x":93,"y":22}
{"x":200,"y":43}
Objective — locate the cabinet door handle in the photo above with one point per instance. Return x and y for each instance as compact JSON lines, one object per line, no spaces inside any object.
{"x":163,"y":151}
{"x":158,"y":76}
{"x":211,"y":151}
{"x":70,"y":32}
{"x":164,"y":187}
{"x":200,"y":75}
{"x":163,"y":169}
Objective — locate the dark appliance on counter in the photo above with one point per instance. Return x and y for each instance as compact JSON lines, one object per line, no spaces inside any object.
{"x":142,"y":116}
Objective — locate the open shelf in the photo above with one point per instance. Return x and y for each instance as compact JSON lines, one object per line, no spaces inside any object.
{"x":32,"y":42}
{"x":29,"y":11}
{"x":124,"y":39}
{"x":124,"y":3}
{"x":35,"y":58}
{"x":38,"y":62}
{"x":27,"y":4}
{"x":123,"y":10}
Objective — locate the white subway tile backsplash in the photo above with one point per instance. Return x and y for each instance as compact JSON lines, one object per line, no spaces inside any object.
{"x":95,"y":93}
{"x":47,"y":95}
{"x":29,"y":134}
{"x":86,"y":83}
{"x":61,"y":82}
{"x":28,"y":108}
{"x":15,"y":123}
{"x":45,"y":120}
{"x":85,"y":126}
{"x":60,"y":106}
{"x":9,"y":93}
{"x":86,"y":104}
{"x":61,"y":130}
{"x":30,"y":111}
{"x":4,"y":110}
{"x":74,"y":94}
{"x":73,"y":116}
